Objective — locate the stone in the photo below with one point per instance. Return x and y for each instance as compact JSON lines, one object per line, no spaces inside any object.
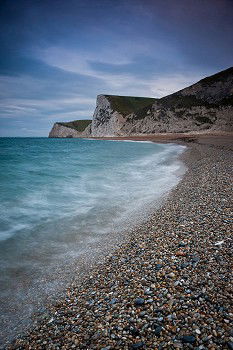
{"x":113,"y":301}
{"x":230,"y":345}
{"x":139,"y":345}
{"x":184,"y":265}
{"x":181,"y":253}
{"x":134,"y":331}
{"x":171,"y":275}
{"x":158,"y":266}
{"x":157,"y":330}
{"x":188,"y":339}
{"x":139,"y":302}
{"x":195,"y":259}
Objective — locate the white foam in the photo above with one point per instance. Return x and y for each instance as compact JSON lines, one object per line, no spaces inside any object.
{"x":140,"y":141}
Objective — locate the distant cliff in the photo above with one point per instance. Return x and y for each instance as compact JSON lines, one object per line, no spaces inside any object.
{"x":206,"y":105}
{"x":76,"y":128}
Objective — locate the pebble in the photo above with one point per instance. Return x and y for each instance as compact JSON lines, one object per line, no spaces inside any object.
{"x":139,"y":301}
{"x":158,"y":266}
{"x":157,"y":330}
{"x":139,"y":345}
{"x":171,"y":275}
{"x":188,"y":339}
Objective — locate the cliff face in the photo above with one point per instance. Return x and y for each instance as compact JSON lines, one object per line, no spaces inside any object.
{"x":206,"y":105}
{"x":114,"y":115}
{"x":77,"y":128}
{"x":105,"y":120}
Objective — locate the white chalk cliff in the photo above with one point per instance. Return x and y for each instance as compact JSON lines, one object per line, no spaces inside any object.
{"x":206,"y":105}
{"x":77,"y":128}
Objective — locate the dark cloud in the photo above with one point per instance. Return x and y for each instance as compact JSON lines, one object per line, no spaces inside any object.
{"x":53,"y":49}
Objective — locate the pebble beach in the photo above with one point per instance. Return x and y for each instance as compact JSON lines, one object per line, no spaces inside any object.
{"x":168,"y":282}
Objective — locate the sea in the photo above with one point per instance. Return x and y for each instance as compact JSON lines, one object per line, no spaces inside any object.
{"x":61,"y":200}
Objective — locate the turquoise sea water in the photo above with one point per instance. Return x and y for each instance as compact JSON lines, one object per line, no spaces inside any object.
{"x":58,"y":198}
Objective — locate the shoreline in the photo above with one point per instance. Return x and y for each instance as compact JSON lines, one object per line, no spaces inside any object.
{"x":15,"y":322}
{"x":197,"y":137}
{"x":133,"y":299}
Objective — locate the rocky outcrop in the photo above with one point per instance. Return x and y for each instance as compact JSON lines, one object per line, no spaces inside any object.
{"x":62,"y":131}
{"x":117,"y":115}
{"x":180,"y":120}
{"x":106,"y":121}
{"x":77,"y":128}
{"x":204,"y":106}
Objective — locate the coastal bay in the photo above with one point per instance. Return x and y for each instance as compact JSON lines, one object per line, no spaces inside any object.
{"x":116,"y":145}
{"x":165,"y":284}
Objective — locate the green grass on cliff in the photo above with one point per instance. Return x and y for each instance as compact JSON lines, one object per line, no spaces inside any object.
{"x":79,"y":125}
{"x":128,"y":104}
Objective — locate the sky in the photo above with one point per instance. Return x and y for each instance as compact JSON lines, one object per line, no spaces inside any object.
{"x":56,"y":56}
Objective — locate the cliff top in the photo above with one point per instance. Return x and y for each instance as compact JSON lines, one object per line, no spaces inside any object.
{"x":79,"y":125}
{"x":212,"y":91}
{"x":129,"y":104}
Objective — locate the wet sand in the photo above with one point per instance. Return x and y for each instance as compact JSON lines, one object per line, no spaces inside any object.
{"x":168,"y":282}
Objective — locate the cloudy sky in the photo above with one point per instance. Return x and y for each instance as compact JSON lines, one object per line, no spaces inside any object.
{"x":57,"y":55}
